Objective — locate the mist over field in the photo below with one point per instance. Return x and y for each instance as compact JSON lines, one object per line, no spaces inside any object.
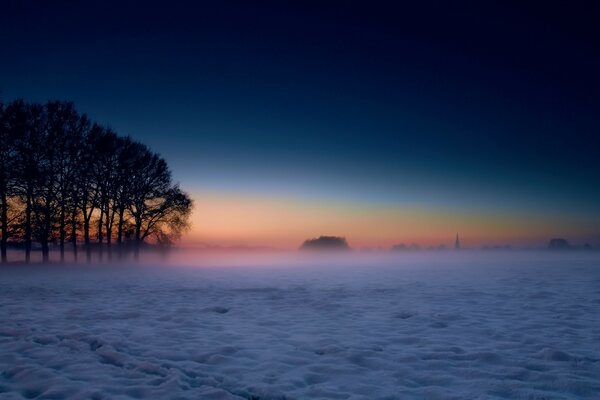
{"x":252,"y":325}
{"x":289,"y":200}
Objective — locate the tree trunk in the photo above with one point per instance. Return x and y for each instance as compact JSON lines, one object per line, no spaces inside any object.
{"x":120,"y":231}
{"x":74,"y":232}
{"x":109,"y":245}
{"x":4,"y":222}
{"x":63,"y":230}
{"x":28,"y":208}
{"x":47,"y":230}
{"x":138,"y":239}
{"x":100,"y":219}
{"x":45,"y":251}
{"x":109,"y":225}
{"x":86,"y":235}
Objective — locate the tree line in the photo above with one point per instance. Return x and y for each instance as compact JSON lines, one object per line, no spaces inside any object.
{"x":69,"y":181}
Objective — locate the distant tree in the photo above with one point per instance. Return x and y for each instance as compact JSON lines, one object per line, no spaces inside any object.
{"x":326,"y":243}
{"x":558,"y":244}
{"x":405,"y":247}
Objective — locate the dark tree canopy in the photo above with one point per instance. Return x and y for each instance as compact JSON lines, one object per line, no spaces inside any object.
{"x":558,"y":244}
{"x":67,"y":180}
{"x":326,"y":243}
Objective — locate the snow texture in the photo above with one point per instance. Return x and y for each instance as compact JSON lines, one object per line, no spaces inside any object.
{"x":475,"y":327}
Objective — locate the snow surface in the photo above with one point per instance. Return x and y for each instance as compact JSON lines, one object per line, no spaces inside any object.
{"x":494,"y":326}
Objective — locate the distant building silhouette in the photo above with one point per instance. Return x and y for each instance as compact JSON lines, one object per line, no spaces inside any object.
{"x":457,"y":243}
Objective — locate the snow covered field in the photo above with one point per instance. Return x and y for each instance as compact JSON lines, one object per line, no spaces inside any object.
{"x":438,"y":326}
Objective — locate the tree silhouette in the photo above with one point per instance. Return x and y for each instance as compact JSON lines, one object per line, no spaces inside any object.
{"x":325,"y":243}
{"x":64,"y":178}
{"x":7,"y":156}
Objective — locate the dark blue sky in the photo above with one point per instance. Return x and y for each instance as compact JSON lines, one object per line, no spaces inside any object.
{"x":466,"y":106}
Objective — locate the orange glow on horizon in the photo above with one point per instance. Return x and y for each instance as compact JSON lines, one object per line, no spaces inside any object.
{"x":248,"y":220}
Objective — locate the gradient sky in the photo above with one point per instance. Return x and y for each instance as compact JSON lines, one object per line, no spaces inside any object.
{"x":382,"y":123}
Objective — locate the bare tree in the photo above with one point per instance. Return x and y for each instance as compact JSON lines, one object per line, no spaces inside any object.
{"x":159,"y":209}
{"x":168,"y":217}
{"x":59,"y":172}
{"x":104,"y":171}
{"x":126,"y":162}
{"x":69,"y":127}
{"x":26,"y":123}
{"x":87,"y":185}
{"x":7,"y":157}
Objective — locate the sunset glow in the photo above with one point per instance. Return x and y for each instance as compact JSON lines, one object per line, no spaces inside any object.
{"x":242,"y":219}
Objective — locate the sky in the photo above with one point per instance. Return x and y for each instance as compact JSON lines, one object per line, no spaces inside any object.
{"x":384,"y":122}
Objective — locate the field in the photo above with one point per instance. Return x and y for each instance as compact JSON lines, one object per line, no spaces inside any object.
{"x":517,"y":325}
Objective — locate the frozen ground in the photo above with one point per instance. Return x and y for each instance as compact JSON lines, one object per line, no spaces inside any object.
{"x":495,"y":326}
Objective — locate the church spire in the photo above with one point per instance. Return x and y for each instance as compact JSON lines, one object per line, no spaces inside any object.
{"x":457,"y":243}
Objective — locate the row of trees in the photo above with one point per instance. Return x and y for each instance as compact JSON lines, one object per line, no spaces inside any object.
{"x":67,"y":180}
